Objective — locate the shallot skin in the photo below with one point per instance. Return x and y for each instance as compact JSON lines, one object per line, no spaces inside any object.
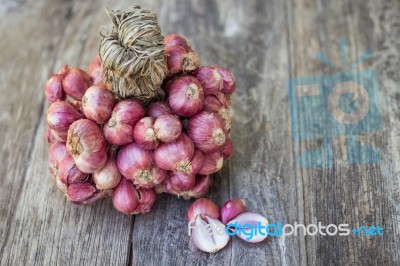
{"x":69,"y":173}
{"x":203,"y":206}
{"x":75,"y":82}
{"x":168,"y":155}
{"x":210,"y":79}
{"x":219,"y":104}
{"x":57,"y":153}
{"x":78,"y":193}
{"x":118,"y":130}
{"x":132,"y":159}
{"x":207,"y":131}
{"x":108,"y":176}
{"x":167,"y":128}
{"x":136,"y":164}
{"x":87,"y":145}
{"x":180,"y":60}
{"x":213,"y":162}
{"x":176,"y":39}
{"x":229,"y":84}
{"x":186,"y":96}
{"x":96,"y":70}
{"x":182,"y":181}
{"x":98,"y":103}
{"x":231,"y":209}
{"x":158,"y":109}
{"x":125,"y":197}
{"x":228,"y":149}
{"x":215,"y":79}
{"x":53,"y":89}
{"x":61,"y":115}
{"x":144,"y":134}
{"x":147,"y":198}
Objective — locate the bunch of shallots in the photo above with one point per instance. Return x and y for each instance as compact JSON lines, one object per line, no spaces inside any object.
{"x":102,"y":145}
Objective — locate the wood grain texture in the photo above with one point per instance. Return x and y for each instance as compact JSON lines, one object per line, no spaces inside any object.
{"x":353,"y":194}
{"x":40,"y":227}
{"x":264,"y":43}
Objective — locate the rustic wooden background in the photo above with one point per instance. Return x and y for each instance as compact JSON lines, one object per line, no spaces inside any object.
{"x":264,"y":42}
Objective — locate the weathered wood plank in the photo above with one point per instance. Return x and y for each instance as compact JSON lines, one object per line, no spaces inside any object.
{"x":262,"y":168}
{"x":160,"y":237}
{"x":248,"y":39}
{"x":356,"y":194}
{"x":40,"y":226}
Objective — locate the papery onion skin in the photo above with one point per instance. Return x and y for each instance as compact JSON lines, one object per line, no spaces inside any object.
{"x":219,"y":105}
{"x":150,"y":178}
{"x":125,"y":197}
{"x":167,"y":128}
{"x":207,"y":132}
{"x":87,"y":145}
{"x":228,"y":149}
{"x":98,"y":103}
{"x":166,"y":187}
{"x":176,"y":39}
{"x":77,"y":104}
{"x":144,"y":133}
{"x":175,"y":56}
{"x":53,"y":89}
{"x":203,"y":206}
{"x":136,"y":164}
{"x":108,"y":176}
{"x":97,"y":76}
{"x":180,"y":60}
{"x":95,"y":63}
{"x":147,"y":198}
{"x":69,"y":173}
{"x":201,"y":187}
{"x":197,"y":162}
{"x":158,"y":109}
{"x":229,"y":82}
{"x":57,"y":152}
{"x":186,"y":96}
{"x":192,"y":166}
{"x":231,"y":209}
{"x":52,"y":136}
{"x":101,"y":194}
{"x":182,"y":181}
{"x":61,"y":185}
{"x":132,"y":159}
{"x":213,"y":162}
{"x":75,"y":82}
{"x":78,"y":193}
{"x":168,"y":155}
{"x":61,"y":115}
{"x":210,"y":79}
{"x":96,"y":70}
{"x":212,"y":103}
{"x":118,"y":130}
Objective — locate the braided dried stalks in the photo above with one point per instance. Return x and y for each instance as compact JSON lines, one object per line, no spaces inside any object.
{"x":133,"y":54}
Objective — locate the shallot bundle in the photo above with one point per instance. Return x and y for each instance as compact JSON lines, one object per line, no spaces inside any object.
{"x":134,"y":148}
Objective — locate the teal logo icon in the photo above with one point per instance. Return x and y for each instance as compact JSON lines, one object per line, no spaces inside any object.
{"x":342,"y":104}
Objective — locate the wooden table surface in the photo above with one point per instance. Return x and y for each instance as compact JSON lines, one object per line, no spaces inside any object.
{"x":264,"y":43}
